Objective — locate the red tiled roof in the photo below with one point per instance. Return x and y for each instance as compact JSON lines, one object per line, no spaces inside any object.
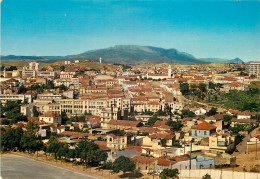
{"x":137,"y":148}
{"x":164,"y":162}
{"x":161,"y":136}
{"x":50,"y":114}
{"x":124,"y":123}
{"x":144,"y":160}
{"x":204,"y":126}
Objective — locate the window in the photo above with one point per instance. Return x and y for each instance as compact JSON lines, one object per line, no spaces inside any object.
{"x":123,"y":140}
{"x":205,"y":132}
{"x":110,"y":139}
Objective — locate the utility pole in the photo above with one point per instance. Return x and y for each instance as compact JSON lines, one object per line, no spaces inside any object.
{"x":184,"y":145}
{"x":255,"y":148}
{"x":190,"y":151}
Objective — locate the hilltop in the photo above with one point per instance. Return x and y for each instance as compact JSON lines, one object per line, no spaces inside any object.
{"x":127,"y":54}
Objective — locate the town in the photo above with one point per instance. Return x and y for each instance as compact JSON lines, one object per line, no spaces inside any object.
{"x":150,"y":120}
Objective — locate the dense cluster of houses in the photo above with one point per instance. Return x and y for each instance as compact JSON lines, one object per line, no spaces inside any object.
{"x":107,"y":99}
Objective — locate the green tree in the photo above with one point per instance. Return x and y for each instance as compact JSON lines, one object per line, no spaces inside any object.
{"x":21,"y":89}
{"x":152,"y":120}
{"x":35,"y":112}
{"x":176,"y":125}
{"x":169,"y":173}
{"x":202,"y":87}
{"x":123,"y":164}
{"x":227,"y":118}
{"x":212,"y":111}
{"x":211,"y":85}
{"x":31,"y":128}
{"x":90,"y":153}
{"x":187,"y":113}
{"x":207,"y":176}
{"x":10,"y":139}
{"x":184,"y":88}
{"x":62,"y":68}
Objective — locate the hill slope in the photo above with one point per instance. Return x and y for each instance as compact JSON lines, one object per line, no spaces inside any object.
{"x":127,"y":54}
{"x":137,"y":54}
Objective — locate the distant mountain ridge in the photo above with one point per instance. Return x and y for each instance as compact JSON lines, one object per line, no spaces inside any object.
{"x":128,"y":54}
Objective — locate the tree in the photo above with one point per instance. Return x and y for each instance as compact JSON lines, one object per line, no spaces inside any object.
{"x":10,"y":139}
{"x":176,"y":125}
{"x":211,"y":85}
{"x":187,"y":113}
{"x":90,"y":153}
{"x":184,"y":88}
{"x":31,"y":128}
{"x":35,"y":112}
{"x":207,"y":176}
{"x":123,"y":164}
{"x":202,"y":87}
{"x":62,"y":87}
{"x":169,"y":173}
{"x":62,"y":68}
{"x":152,"y":120}
{"x":227,"y":118}
{"x":212,"y":111}
{"x":22,"y":89}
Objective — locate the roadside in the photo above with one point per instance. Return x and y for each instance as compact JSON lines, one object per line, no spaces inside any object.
{"x":91,"y":171}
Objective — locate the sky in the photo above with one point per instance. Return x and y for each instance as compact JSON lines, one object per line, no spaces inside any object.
{"x":205,"y":28}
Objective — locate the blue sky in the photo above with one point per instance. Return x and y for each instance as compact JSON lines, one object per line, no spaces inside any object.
{"x":224,"y":29}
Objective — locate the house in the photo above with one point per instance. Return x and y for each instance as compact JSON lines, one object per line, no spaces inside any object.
{"x":200,"y":111}
{"x":221,"y":142}
{"x":145,"y":163}
{"x":204,"y":162}
{"x":93,"y":121}
{"x":235,"y":121}
{"x":50,"y":117}
{"x":244,"y":115}
{"x":203,"y":130}
{"x":117,"y":142}
{"x":123,"y":124}
{"x":179,"y":162}
{"x":158,"y":141}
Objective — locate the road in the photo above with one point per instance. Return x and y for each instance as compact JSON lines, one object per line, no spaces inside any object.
{"x":242,"y":146}
{"x":14,"y":166}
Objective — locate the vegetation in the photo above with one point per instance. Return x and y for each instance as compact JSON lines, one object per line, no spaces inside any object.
{"x":123,"y":164}
{"x":255,"y":168}
{"x":187,"y":113}
{"x":169,"y":173}
{"x":152,"y":120}
{"x":184,"y":88}
{"x":11,"y":110}
{"x":245,"y":100}
{"x":176,"y":125}
{"x":207,"y":176}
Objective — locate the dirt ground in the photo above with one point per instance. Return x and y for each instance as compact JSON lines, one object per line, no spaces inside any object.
{"x":93,"y":171}
{"x":247,"y":161}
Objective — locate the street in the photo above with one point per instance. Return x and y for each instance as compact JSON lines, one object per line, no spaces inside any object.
{"x":13,"y":166}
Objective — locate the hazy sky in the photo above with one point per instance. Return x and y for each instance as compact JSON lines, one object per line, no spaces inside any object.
{"x":225,"y":29}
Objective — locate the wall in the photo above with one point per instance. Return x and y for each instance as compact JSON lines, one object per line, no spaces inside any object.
{"x":216,"y":174}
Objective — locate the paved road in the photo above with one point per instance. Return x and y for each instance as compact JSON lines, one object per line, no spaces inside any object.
{"x":13,"y":166}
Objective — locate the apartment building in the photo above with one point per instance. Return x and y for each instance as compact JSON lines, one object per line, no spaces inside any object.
{"x":117,"y":142}
{"x":50,"y":117}
{"x":67,"y":74}
{"x":72,"y":83}
{"x":35,"y":66}
{"x":254,"y":69}
{"x":15,"y":97}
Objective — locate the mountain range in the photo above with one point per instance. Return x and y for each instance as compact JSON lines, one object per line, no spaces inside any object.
{"x":128,"y":54}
